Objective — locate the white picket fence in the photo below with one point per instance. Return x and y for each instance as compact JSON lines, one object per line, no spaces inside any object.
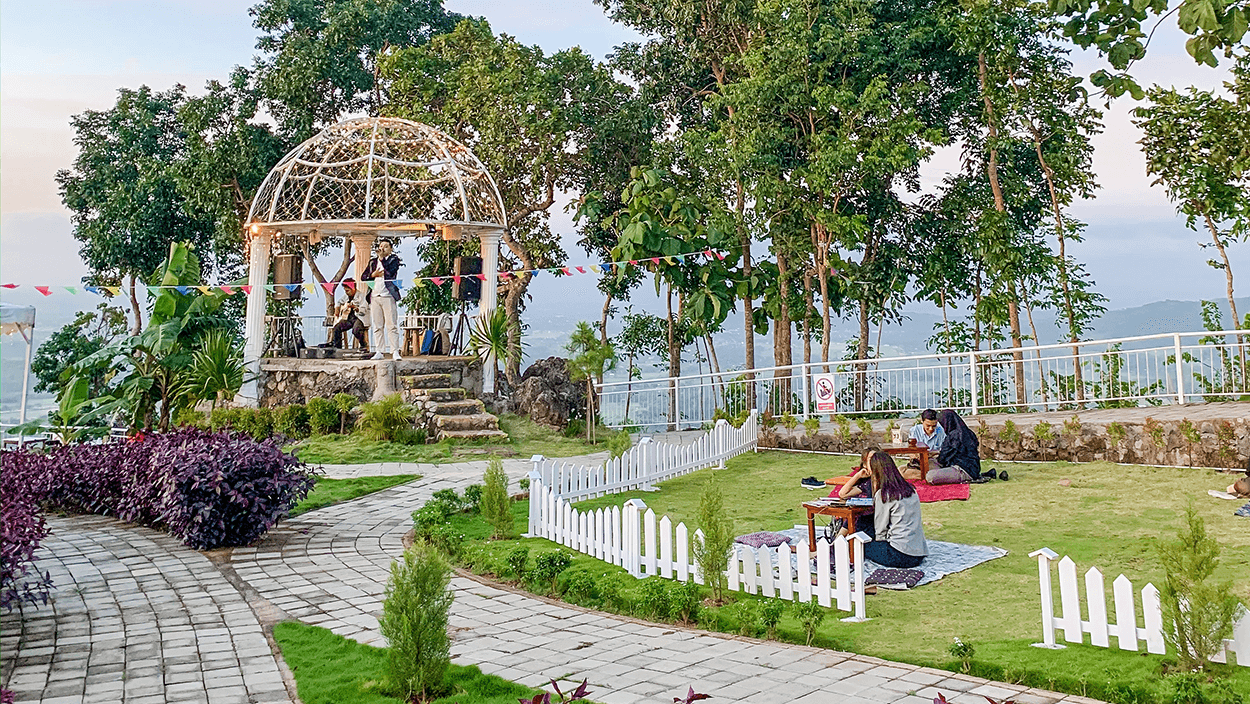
{"x":631,"y":537}
{"x":1128,"y":634}
{"x":646,"y":463}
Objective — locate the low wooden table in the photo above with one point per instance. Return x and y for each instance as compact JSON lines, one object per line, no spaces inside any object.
{"x":850,"y":514}
{"x":919,"y":450}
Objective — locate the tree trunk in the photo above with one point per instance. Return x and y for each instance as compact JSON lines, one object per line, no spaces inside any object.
{"x":748,"y":301}
{"x":1017,"y":342}
{"x":514,"y":294}
{"x":348,"y":257}
{"x":822,"y":272}
{"x":1037,"y":342}
{"x":861,"y":357}
{"x":782,"y":335}
{"x":1013,"y":312}
{"x":674,"y":363}
{"x":135,"y":309}
{"x":1061,"y":234}
{"x":807,"y":316}
{"x":1228,"y":269}
{"x":950,"y":369}
{"x":603,"y":328}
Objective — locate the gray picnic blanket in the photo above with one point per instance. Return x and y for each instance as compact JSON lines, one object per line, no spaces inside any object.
{"x":944,"y":558}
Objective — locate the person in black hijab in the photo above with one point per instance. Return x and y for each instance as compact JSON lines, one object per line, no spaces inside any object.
{"x":959,"y":460}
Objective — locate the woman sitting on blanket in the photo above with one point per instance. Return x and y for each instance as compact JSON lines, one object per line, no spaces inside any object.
{"x":959,"y":461}
{"x":896,"y":531}
{"x":860,"y":483}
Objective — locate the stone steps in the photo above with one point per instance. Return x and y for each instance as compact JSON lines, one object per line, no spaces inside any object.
{"x":423,"y":381}
{"x":471,"y":435}
{"x":477,"y":421}
{"x":469,"y":406}
{"x":439,"y":395}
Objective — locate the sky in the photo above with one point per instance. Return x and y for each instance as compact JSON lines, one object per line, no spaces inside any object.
{"x":61,"y":57}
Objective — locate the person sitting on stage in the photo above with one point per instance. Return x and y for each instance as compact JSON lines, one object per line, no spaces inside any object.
{"x":896,"y":529}
{"x":352,"y":314}
{"x":959,"y":461}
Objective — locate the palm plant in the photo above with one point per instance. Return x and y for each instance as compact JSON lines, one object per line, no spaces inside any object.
{"x":488,"y":338}
{"x":217,"y":368}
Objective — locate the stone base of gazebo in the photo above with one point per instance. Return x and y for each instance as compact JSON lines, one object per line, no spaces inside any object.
{"x":286,"y":380}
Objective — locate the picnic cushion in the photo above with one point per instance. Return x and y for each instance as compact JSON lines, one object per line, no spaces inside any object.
{"x":762,"y":539}
{"x":890,"y":578}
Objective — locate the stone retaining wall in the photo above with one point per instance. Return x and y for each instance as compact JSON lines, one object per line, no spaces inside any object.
{"x":285,"y":380}
{"x":1183,"y":443}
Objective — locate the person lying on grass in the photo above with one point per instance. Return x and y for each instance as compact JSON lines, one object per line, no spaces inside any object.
{"x":896,"y":530}
{"x":1241,"y":487}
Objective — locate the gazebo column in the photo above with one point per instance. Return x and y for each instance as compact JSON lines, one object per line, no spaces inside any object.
{"x":254,"y":321}
{"x":490,"y":292}
{"x":362,"y":248}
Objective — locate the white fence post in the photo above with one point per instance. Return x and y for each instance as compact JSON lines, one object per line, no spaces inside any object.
{"x":1044,"y":556}
{"x":1125,"y":613}
{"x":1070,"y":600}
{"x":972,"y":378}
{"x":860,"y":609}
{"x":648,"y":528}
{"x":1096,"y":599}
{"x":536,"y":483}
{"x":1180,"y":373}
{"x":646,"y":462}
{"x":1153,"y":612}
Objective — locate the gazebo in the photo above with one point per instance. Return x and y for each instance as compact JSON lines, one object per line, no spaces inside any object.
{"x":365,"y":178}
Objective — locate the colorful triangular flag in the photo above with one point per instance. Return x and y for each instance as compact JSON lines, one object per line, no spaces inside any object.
{"x":246,"y":289}
{"x":328,"y":286}
{"x":204,"y":289}
{"x":309,"y":287}
{"x":113,"y":290}
{"x":10,"y":285}
{"x":154,"y":291}
{"x":228,"y":290}
{"x":580,"y":269}
{"x":481,"y":277}
{"x":270,"y":288}
{"x":72,"y":290}
{"x":44,"y":290}
{"x":91,"y":289}
{"x":183,"y":289}
{"x":438,"y":280}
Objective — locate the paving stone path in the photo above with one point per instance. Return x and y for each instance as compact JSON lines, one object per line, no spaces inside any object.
{"x":135,"y":617}
{"x":329,"y":567}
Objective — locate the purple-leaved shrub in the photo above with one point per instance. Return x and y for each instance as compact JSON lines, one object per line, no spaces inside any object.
{"x":209,"y":489}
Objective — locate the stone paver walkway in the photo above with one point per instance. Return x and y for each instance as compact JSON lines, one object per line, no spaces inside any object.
{"x":135,"y":617}
{"x":329,"y":567}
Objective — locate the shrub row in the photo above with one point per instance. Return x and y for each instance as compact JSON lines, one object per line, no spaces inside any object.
{"x":208,"y":489}
{"x":388,"y":419}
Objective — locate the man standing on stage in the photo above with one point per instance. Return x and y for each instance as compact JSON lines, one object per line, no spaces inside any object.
{"x":383,"y":268}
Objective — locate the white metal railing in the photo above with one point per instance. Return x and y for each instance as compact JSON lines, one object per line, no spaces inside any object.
{"x":1122,"y":372}
{"x":630,"y":536}
{"x":1128,"y":634}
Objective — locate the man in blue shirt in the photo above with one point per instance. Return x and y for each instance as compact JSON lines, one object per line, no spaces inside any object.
{"x":928,"y":432}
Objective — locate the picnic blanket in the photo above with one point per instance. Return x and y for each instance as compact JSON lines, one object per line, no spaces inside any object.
{"x":944,"y":558}
{"x":927,"y":492}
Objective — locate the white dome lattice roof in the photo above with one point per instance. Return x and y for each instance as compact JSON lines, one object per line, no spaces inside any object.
{"x":378,"y":171}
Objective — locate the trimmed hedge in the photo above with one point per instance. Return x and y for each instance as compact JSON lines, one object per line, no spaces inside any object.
{"x":209,"y":489}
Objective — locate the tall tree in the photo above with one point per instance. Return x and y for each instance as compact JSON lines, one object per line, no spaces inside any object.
{"x":1197,"y":146}
{"x":320,"y":58}
{"x":123,"y":190}
{"x":536,"y":121}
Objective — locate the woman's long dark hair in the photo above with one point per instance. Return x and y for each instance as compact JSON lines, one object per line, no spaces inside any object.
{"x":887,"y":480}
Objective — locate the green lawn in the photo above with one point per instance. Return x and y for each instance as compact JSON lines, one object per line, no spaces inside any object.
{"x":328,"y":492}
{"x":526,"y":438}
{"x":330,"y":669}
{"x":1110,"y":516}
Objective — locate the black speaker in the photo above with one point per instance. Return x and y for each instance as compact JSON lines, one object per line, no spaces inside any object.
{"x":468,"y":287}
{"x":288,"y":269}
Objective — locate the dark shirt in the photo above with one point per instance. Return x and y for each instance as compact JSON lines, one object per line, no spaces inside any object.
{"x":390,"y":265}
{"x":961,"y":448}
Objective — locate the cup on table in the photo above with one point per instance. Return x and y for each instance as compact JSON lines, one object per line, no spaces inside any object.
{"x":911,"y":442}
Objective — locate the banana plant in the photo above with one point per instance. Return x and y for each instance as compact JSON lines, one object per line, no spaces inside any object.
{"x":76,"y":417}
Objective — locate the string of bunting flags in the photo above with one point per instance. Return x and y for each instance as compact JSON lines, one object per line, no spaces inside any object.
{"x":330,"y":286}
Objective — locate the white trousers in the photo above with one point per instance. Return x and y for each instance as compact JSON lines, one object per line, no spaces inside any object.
{"x":384,"y":314}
